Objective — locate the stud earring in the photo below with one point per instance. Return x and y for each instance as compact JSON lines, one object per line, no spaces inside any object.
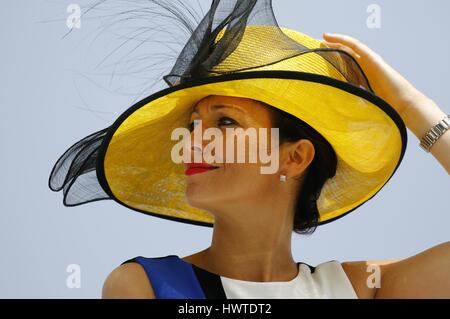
{"x":282,"y":178}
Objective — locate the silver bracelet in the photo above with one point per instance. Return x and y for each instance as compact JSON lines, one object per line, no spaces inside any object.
{"x":434,"y":134}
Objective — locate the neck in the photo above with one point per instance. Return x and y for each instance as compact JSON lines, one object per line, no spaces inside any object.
{"x":258,"y":249}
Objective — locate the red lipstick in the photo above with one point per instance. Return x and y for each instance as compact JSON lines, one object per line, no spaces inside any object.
{"x":195,"y":168}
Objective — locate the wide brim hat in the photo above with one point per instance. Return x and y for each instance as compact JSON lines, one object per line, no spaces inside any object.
{"x":239,"y":50}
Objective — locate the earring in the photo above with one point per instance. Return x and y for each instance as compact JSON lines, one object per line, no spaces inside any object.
{"x":282,"y":178}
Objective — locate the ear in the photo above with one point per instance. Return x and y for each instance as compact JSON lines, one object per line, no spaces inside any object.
{"x":297,"y":157}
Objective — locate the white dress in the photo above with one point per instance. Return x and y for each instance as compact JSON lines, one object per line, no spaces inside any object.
{"x":328,"y":280}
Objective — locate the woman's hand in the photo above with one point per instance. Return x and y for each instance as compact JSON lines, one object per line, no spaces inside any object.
{"x":385,"y":81}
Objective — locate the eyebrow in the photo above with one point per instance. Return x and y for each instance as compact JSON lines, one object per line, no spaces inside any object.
{"x":220,"y":106}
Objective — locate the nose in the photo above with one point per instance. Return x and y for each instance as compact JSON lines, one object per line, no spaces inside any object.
{"x":196,"y":147}
{"x":195,"y":153}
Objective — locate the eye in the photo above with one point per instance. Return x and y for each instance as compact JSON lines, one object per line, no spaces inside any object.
{"x":224,"y":120}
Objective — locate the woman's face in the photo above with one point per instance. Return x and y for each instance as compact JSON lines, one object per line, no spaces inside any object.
{"x":230,"y":182}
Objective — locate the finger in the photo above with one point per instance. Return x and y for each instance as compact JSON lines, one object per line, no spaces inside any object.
{"x":342,"y":47}
{"x":336,"y":37}
{"x":349,"y":41}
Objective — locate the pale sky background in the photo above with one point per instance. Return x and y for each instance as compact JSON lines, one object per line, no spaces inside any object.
{"x":53,"y":92}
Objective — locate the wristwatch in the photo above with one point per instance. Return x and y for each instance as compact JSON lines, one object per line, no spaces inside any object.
{"x":434,"y":134}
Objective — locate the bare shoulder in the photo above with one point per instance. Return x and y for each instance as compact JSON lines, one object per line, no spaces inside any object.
{"x":364,"y":275}
{"x":424,"y":275}
{"x":128,"y":281}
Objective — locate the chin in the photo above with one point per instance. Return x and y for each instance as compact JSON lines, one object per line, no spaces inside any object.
{"x":200,"y":197}
{"x":196,"y":197}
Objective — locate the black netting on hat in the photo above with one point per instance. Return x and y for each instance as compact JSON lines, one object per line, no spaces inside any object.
{"x":75,"y":172}
{"x":201,"y":56}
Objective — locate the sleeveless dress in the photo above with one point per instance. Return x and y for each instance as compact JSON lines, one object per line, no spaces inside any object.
{"x":173,"y":278}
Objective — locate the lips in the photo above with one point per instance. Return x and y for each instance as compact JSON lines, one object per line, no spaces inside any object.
{"x":195,"y":168}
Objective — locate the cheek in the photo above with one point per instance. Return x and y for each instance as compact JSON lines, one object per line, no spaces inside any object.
{"x":248,"y":180}
{"x":235,"y":179}
{"x":246,"y":149}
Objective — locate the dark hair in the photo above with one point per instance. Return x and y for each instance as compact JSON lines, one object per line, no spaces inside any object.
{"x":322,"y":167}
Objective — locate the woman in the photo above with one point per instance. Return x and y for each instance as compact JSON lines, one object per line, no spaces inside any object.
{"x":252,"y":238}
{"x":254,"y":214}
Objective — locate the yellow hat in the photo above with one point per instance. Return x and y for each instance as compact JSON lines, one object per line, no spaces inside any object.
{"x":324,"y":87}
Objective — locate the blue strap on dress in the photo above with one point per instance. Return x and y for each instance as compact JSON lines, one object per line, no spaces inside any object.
{"x":171,"y":277}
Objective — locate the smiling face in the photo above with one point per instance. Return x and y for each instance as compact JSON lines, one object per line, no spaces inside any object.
{"x":230,"y":182}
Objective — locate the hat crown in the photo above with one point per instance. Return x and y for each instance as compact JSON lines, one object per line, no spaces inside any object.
{"x":240,"y":36}
{"x":255,"y":42}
